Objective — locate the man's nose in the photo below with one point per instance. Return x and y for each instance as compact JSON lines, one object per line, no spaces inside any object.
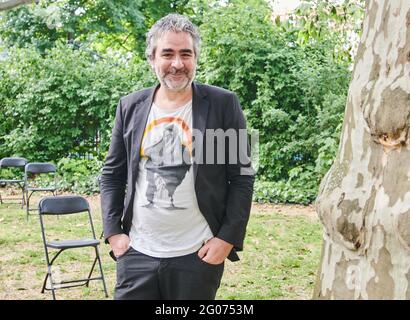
{"x":177,"y":63}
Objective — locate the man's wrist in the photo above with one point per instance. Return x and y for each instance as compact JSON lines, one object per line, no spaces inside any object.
{"x":226,"y":243}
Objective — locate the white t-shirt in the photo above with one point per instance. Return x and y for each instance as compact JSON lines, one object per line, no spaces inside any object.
{"x":167,"y":221}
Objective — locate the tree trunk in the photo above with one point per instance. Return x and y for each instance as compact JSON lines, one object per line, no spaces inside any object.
{"x":7,"y":5}
{"x":364,"y":199}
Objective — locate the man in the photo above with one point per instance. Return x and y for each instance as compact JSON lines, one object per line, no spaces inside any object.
{"x":182,"y":217}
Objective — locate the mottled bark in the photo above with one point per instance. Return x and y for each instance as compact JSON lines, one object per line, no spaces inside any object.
{"x":364,"y":199}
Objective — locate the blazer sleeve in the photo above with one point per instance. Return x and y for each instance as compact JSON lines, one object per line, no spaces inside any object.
{"x":240,"y":177}
{"x":113,"y":180}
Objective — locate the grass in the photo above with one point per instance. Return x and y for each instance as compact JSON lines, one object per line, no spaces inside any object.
{"x":279,"y":260}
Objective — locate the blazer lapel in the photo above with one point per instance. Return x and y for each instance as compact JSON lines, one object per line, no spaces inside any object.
{"x":140,"y":120}
{"x":200,"y":107}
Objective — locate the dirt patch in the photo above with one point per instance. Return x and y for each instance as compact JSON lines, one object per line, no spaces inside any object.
{"x":286,"y":209}
{"x":257,"y":208}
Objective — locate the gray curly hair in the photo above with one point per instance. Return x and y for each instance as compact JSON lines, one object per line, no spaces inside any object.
{"x":171,"y":22}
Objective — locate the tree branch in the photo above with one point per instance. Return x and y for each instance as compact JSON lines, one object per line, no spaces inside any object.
{"x":7,"y":5}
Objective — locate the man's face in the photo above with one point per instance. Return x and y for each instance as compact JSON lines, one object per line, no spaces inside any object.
{"x":174,"y":61}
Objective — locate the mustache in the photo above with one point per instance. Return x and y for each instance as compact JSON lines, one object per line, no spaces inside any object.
{"x":175,"y":72}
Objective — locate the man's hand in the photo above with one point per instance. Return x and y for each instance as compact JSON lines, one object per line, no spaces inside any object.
{"x":215,"y":251}
{"x":119,"y":243}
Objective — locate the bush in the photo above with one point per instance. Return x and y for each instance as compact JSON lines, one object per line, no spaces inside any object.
{"x":62,"y":102}
{"x":293,"y":95}
{"x":300,"y":188}
{"x":79,"y":175}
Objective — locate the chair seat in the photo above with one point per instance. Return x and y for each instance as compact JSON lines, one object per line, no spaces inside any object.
{"x":40,"y":189}
{"x":11,"y":181}
{"x":66,"y":244}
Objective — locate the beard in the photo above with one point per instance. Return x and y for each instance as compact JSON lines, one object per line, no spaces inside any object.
{"x":176,"y":80}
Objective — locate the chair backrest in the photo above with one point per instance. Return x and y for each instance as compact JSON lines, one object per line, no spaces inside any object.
{"x":63,"y":205}
{"x":13,"y":162}
{"x":39,"y":167}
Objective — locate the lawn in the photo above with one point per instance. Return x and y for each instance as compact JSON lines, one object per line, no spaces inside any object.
{"x":279,"y":261}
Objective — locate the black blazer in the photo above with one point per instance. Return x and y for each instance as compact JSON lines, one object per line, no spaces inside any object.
{"x":224,"y":195}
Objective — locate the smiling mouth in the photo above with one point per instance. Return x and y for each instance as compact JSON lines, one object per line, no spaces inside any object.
{"x":177,"y":76}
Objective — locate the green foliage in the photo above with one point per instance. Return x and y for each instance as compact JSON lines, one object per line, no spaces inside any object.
{"x":11,"y":174}
{"x":44,"y":24}
{"x":336,"y":23}
{"x":293,"y":94}
{"x":62,"y":103}
{"x":330,"y":117}
{"x":79,"y":175}
{"x":291,"y":77}
{"x":100,"y":24}
{"x":301,"y":188}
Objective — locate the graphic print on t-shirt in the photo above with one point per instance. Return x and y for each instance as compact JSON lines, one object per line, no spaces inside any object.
{"x":167,"y":221}
{"x":166,"y":149}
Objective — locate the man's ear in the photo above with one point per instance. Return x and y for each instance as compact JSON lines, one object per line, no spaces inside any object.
{"x":151,"y":63}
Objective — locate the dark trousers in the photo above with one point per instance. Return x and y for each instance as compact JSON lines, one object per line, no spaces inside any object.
{"x":141,"y":277}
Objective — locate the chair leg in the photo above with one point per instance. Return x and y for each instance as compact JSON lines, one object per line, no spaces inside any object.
{"x":52,"y":287}
{"x":43,"y":288}
{"x":49,"y":274}
{"x":23,"y":200}
{"x":27,"y":205}
{"x":55,"y":195}
{"x":101,"y":271}
{"x":91,"y":272}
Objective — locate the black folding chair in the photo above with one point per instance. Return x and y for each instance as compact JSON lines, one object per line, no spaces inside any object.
{"x":18,"y":163}
{"x":31,"y":185}
{"x":64,"y":205}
